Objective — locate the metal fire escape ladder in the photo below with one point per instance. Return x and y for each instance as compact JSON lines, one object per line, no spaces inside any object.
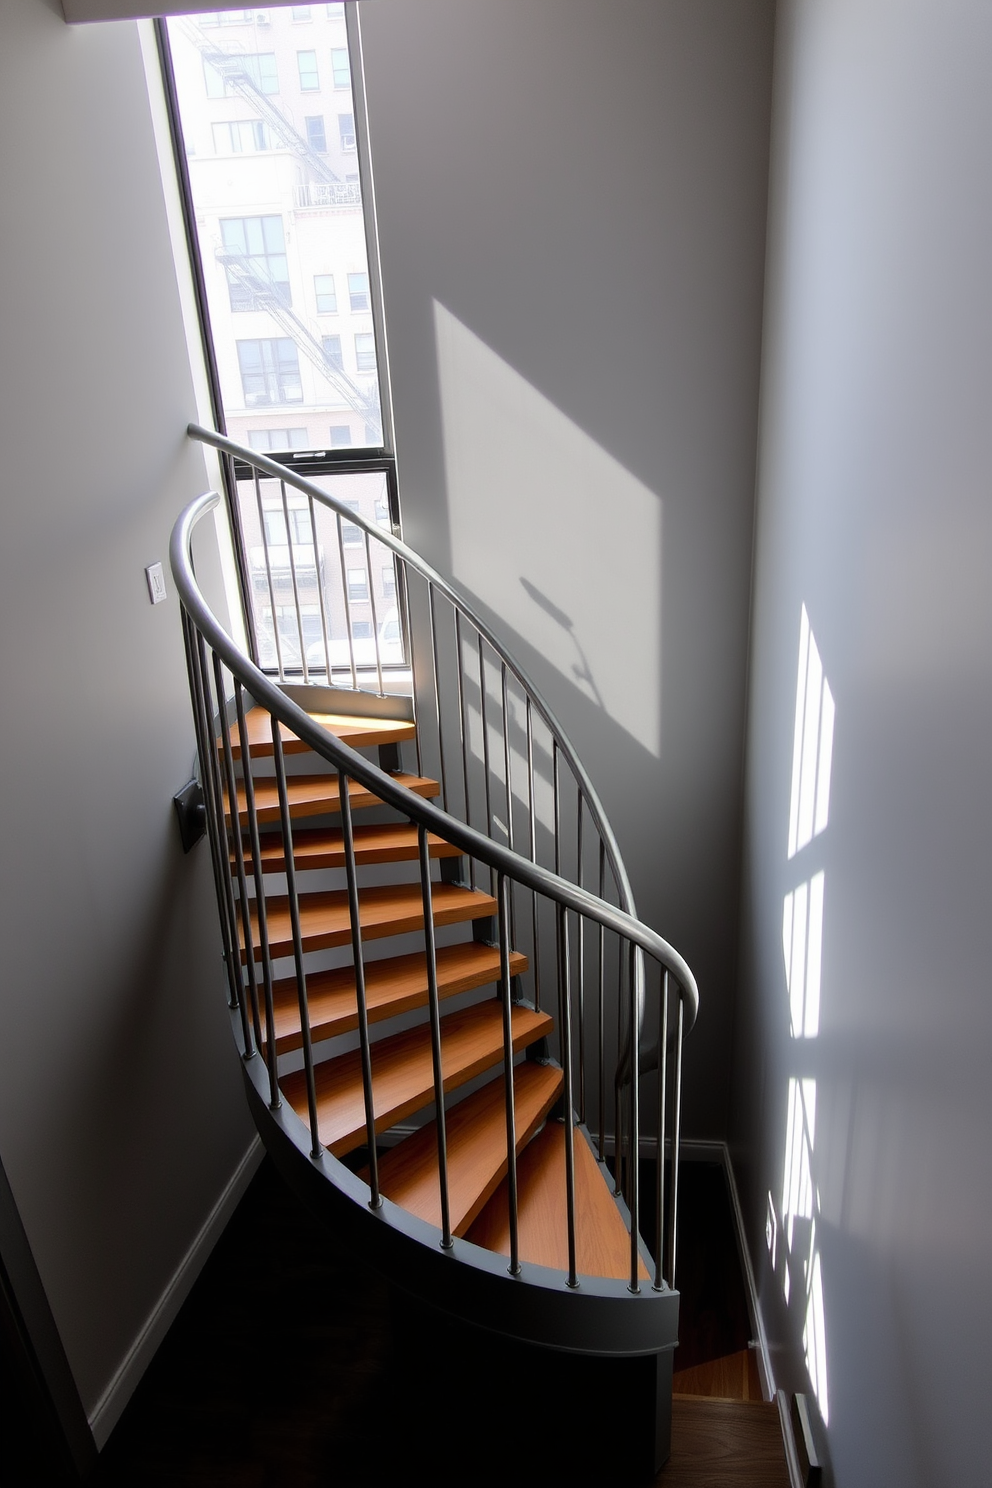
{"x":230,"y":66}
{"x":265,"y":296}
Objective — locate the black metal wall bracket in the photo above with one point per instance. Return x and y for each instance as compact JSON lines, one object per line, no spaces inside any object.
{"x":191,"y":813}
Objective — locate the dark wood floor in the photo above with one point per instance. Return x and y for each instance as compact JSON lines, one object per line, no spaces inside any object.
{"x":294,"y":1366}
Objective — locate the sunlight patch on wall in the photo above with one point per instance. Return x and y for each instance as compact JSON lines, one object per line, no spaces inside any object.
{"x":551,"y":532}
{"x":802,"y":948}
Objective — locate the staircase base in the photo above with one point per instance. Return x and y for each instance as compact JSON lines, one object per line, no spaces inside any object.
{"x":575,"y":1418}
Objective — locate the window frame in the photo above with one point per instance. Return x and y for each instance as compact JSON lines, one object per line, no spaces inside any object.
{"x":379,"y":459}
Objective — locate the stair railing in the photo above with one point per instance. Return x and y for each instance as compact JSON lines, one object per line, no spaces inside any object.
{"x":222,"y":680}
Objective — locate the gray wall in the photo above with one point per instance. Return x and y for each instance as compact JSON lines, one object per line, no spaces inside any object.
{"x":571,"y":202}
{"x":121,"y":1117}
{"x":874,"y":511}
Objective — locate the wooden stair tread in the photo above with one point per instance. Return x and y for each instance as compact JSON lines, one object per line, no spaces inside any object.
{"x":393,"y":985}
{"x":402,"y":1072}
{"x":476,"y":1146}
{"x":390,"y":909}
{"x":729,"y":1377}
{"x":602,"y":1239}
{"x":394,"y":842}
{"x":357,"y":732}
{"x":315,"y":795}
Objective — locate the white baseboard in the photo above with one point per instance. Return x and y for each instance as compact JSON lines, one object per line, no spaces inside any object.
{"x":750,"y":1285}
{"x":108,"y":1409}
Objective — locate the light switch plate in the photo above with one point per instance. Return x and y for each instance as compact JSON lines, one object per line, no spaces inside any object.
{"x":156,"y":582}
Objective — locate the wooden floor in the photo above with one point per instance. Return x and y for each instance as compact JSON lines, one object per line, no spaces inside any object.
{"x":291,"y":1366}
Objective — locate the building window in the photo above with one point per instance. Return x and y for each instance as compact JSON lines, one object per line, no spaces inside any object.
{"x":340,"y":436}
{"x":358,"y":584}
{"x":259,"y":68}
{"x":361,"y":630}
{"x":365,"y":351}
{"x":332,"y":351}
{"x":226,"y":18}
{"x":340,"y":67}
{"x":323,"y":288}
{"x":299,"y":526}
{"x":307,"y":63}
{"x":256,"y":249}
{"x":373,"y":433}
{"x":346,"y":131}
{"x":358,"y":291}
{"x":241,"y":137}
{"x":301,"y":12}
{"x":382,"y":516}
{"x":316,"y":136}
{"x":388,"y":581}
{"x":336,"y":12}
{"x":351,"y":535}
{"x":265,"y":440}
{"x":270,"y":372}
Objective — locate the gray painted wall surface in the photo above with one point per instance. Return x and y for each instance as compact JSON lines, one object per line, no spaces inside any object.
{"x":874,"y":511}
{"x":571,"y":202}
{"x":121,"y":1117}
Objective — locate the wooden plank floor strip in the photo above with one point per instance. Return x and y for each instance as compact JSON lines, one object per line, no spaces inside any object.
{"x":317,"y":795}
{"x":402,"y":1073}
{"x":394,"y":842}
{"x":358,"y":732}
{"x":724,"y":1444}
{"x":396,"y":984}
{"x":391,"y":909}
{"x":475,"y":1132}
{"x":602,"y":1239}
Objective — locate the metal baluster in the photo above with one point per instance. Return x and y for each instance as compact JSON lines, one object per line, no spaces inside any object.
{"x":239,"y":860}
{"x":633,"y":1202}
{"x":557,"y":805}
{"x":676,"y":1139}
{"x":600,"y":1028}
{"x":509,"y":791}
{"x":216,"y":826}
{"x":582,"y":968}
{"x":271,"y":1059}
{"x":294,"y":916}
{"x":565,"y":1039}
{"x":294,"y":582}
{"x":508,"y":1092}
{"x":268,"y":574}
{"x":430,"y":950}
{"x":402,"y":576}
{"x":437,"y":695}
{"x":324,"y":627}
{"x":347,"y":603}
{"x":659,"y":1227}
{"x":375,"y":613}
{"x":212,"y":768}
{"x":463,"y":736}
{"x":358,"y":957}
{"x":533,"y":854}
{"x":617,"y":1096}
{"x":485,"y":757}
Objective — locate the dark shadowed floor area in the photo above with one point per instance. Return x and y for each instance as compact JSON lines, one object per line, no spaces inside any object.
{"x":292,"y":1365}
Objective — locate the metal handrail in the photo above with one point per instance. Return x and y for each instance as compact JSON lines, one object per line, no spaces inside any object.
{"x":472,"y":842}
{"x":462,"y":606}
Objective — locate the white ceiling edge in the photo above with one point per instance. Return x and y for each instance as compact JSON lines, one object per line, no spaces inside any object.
{"x":77,"y":11}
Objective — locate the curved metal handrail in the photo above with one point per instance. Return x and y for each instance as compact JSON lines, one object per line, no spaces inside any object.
{"x":461,"y":604}
{"x":502,"y":859}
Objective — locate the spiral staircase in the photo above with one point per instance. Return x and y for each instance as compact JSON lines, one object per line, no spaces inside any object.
{"x":442,"y":1027}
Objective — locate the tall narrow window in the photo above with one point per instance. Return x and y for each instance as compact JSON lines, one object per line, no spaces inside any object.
{"x":307,"y":63}
{"x":341,"y":67}
{"x":273,"y":188}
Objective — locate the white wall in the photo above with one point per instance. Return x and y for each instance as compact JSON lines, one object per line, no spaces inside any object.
{"x":571,"y":202}
{"x":874,"y":511}
{"x":121,"y":1116}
